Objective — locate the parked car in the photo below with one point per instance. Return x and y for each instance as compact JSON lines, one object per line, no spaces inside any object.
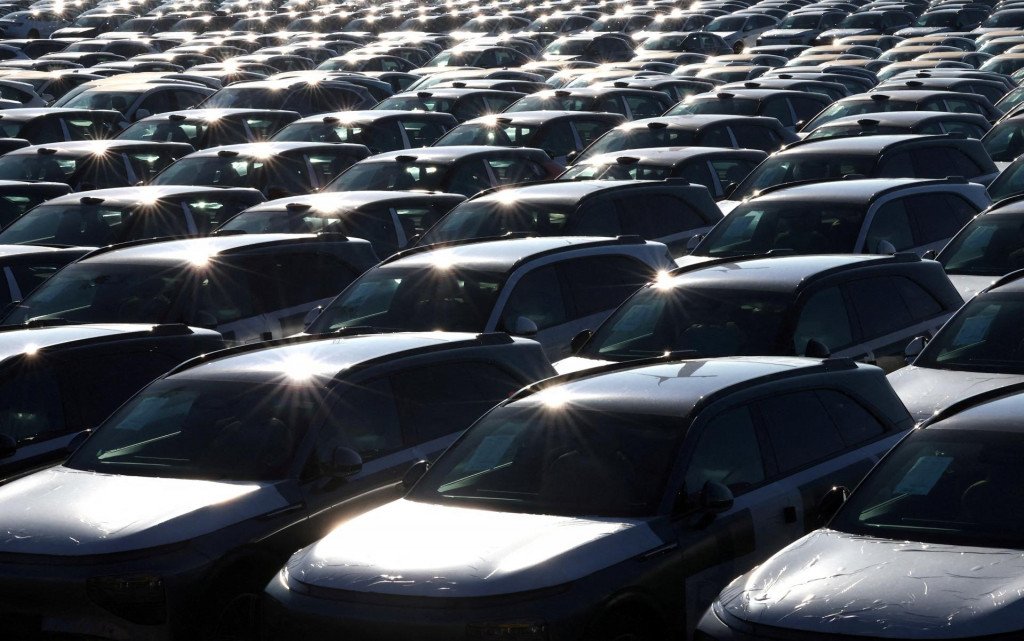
{"x":108,"y":216}
{"x":603,"y":498}
{"x":52,"y":124}
{"x":668,"y":211}
{"x":278,"y":169}
{"x":17,"y":197}
{"x":905,"y":100}
{"x":205,"y":128}
{"x":307,"y":96}
{"x":928,"y":531}
{"x":459,"y":170}
{"x":904,"y":122}
{"x":379,"y":130}
{"x":791,"y":108}
{"x":327,"y":427}
{"x":247,"y":287}
{"x":390,"y":220}
{"x":543,"y":288}
{"x":25,"y":268}
{"x":135,"y":100}
{"x":462,"y":102}
{"x":715,"y":168}
{"x":990,"y":246}
{"x":788,"y":305}
{"x":59,"y":382}
{"x":632,"y":104}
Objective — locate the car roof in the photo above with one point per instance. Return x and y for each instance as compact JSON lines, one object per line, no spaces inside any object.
{"x":316,"y":358}
{"x":76,"y":147}
{"x":274,"y":148}
{"x":778,"y":274}
{"x":346,"y":200}
{"x":539,"y":117}
{"x":142,"y":194}
{"x":28,"y":113}
{"x":501,"y":254}
{"x":902,"y":117}
{"x":211,"y":114}
{"x":17,"y":340}
{"x":846,"y":191}
{"x":669,"y":389}
{"x":443,"y":155}
{"x":370,"y":115}
{"x":670,"y":155}
{"x":859,"y":145}
{"x":195,"y":250}
{"x":996,"y":410}
{"x":563,"y":192}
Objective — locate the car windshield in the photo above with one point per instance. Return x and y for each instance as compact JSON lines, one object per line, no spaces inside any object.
{"x":854,"y":129}
{"x":726,"y":23}
{"x":285,"y":174}
{"x":806,"y":21}
{"x":1005,"y":19}
{"x":711,"y":321}
{"x":43,"y":167}
{"x":987,"y":246}
{"x":573,"y":47}
{"x":73,"y":224}
{"x":490,"y":218}
{"x":802,"y":227}
{"x":97,"y":99}
{"x":937,"y":19}
{"x":945,"y":486}
{"x":1009,"y":183}
{"x":414,"y":299}
{"x":195,"y":429}
{"x":985,"y":336}
{"x":716,"y":105}
{"x":791,"y":168}
{"x":495,"y":135}
{"x":247,"y":98}
{"x":390,"y":176}
{"x":417,"y":103}
{"x":562,"y":460}
{"x":638,"y":138}
{"x":616,"y":171}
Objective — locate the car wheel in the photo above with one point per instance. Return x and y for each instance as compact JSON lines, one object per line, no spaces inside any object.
{"x":738,"y":47}
{"x":627,"y":625}
{"x":32,"y":34}
{"x":237,"y":618}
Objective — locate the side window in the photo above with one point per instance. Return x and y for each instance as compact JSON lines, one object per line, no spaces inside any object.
{"x":891,"y":223}
{"x":800,"y":430}
{"x":30,"y":405}
{"x":374,"y":224}
{"x":280,"y":281}
{"x":716,"y":137}
{"x":824,"y":319}
{"x":897,"y":166}
{"x":469,"y":177}
{"x":968,"y":129}
{"x":726,"y":452}
{"x":47,"y":130}
{"x":612,"y":104}
{"x":652,"y":216}
{"x":732,"y":171}
{"x":422,"y":133}
{"x":496,"y":103}
{"x":590,"y":130}
{"x":962,"y":106}
{"x":696,"y":172}
{"x":937,"y":217}
{"x":221,"y":296}
{"x":878,"y":306}
{"x":644,"y":107}
{"x":920,"y":302}
{"x":856,"y":424}
{"x":97,"y":386}
{"x":595,"y":220}
{"x":778,"y":108}
{"x":752,"y":137}
{"x":537,"y":296}
{"x":158,"y":102}
{"x":438,"y":400}
{"x":365,"y":419}
{"x":557,"y":138}
{"x":469,"y":107}
{"x":601,"y":283}
{"x":186,"y":99}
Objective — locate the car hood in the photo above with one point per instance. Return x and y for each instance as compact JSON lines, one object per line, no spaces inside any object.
{"x":843,"y":584}
{"x":68,"y":512}
{"x":969,"y":286}
{"x":725,"y":35}
{"x":418,"y":549}
{"x":925,"y":390}
{"x":576,"y":364}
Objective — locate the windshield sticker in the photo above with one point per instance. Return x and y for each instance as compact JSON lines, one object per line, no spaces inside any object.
{"x":489,"y":453}
{"x":975,"y":328}
{"x":921,"y":478}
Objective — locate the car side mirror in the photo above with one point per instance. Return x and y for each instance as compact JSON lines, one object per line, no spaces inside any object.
{"x":571,"y":156}
{"x":728,"y":189}
{"x":915,"y":347}
{"x":524,"y":327}
{"x":885,"y":247}
{"x":77,"y":441}
{"x":715,"y":497}
{"x":8,"y":308}
{"x":8,"y":446}
{"x":692,"y":243}
{"x":931,"y":254}
{"x":579,"y":340}
{"x":345,"y":462}
{"x":830,"y":503}
{"x":817,"y":349}
{"x":414,"y":474}
{"x":413,"y":240}
{"x":311,"y":316}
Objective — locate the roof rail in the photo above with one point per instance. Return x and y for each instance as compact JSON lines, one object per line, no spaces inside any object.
{"x":971,"y":401}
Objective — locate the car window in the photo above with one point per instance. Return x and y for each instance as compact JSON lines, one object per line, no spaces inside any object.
{"x":537,"y":296}
{"x":556,"y":138}
{"x":601,"y":283}
{"x":823,"y":318}
{"x":962,"y":106}
{"x":644,"y":107}
{"x":799,"y":428}
{"x":363,"y":418}
{"x":280,"y":281}
{"x":732,"y":171}
{"x":717,"y":136}
{"x":437,"y":400}
{"x":727,"y":452}
{"x":653,"y":216}
{"x":919,"y":301}
{"x":878,"y":306}
{"x":469,"y":177}
{"x":778,"y":108}
{"x":856,"y":424}
{"x":968,"y":129}
{"x":891,"y":223}
{"x":590,"y":130}
{"x":595,"y":220}
{"x":45,"y":130}
{"x":937,"y":217}
{"x":754,"y":137}
{"x":422,"y":133}
{"x":31,"y":405}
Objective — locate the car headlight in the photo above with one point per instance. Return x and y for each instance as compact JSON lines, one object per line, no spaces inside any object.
{"x":139,"y":599}
{"x":513,"y":631}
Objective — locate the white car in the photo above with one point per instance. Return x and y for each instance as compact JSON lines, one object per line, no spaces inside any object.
{"x":32,"y":24}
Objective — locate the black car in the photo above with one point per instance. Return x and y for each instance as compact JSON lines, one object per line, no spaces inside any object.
{"x":17,"y":197}
{"x":205,"y":128}
{"x":791,"y":108}
{"x":379,"y":130}
{"x":25,"y":268}
{"x":463,"y":103}
{"x":307,"y":97}
{"x":904,"y":122}
{"x":633,"y":104}
{"x":50,"y":124}
{"x":909,"y":100}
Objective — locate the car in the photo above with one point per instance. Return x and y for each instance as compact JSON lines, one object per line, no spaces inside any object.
{"x":667,"y":46}
{"x":307,"y":96}
{"x":17,"y":197}
{"x":473,"y":55}
{"x":601,"y":498}
{"x":801,"y":27}
{"x":745,"y":132}
{"x":91,"y":164}
{"x":940,"y":19}
{"x":877,"y":22}
{"x":668,"y":211}
{"x":991,"y":89}
{"x":547,"y":289}
{"x":988,"y":247}
{"x":34,"y":23}
{"x":903,"y":122}
{"x":833,"y":90}
{"x":108,"y":216}
{"x":590,"y":47}
{"x":248,"y":287}
{"x":46,"y":372}
{"x":911,"y":156}
{"x":45,"y":125}
{"x":463,"y":103}
{"x":25,"y":268}
{"x":905,"y":100}
{"x":1009,"y":183}
{"x":390,"y":220}
{"x":205,"y":128}
{"x":741,"y":30}
{"x":278,"y":169}
{"x":881,"y":216}
{"x":633,"y":104}
{"x":785,"y":305}
{"x":715,"y":168}
{"x":927,"y":531}
{"x":559,"y":133}
{"x":791,"y":108}
{"x":327,"y":428}
{"x":379,"y":130}
{"x":134,"y":100}
{"x":460,"y":170}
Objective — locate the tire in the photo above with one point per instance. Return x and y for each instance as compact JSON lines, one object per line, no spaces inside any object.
{"x":33,"y":34}
{"x":627,"y":625}
{"x":237,"y":618}
{"x":737,"y":47}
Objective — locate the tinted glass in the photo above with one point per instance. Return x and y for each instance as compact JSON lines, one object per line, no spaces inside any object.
{"x":986,"y":335}
{"x":988,"y":246}
{"x":726,"y":452}
{"x":800,"y":429}
{"x":804,"y":227}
